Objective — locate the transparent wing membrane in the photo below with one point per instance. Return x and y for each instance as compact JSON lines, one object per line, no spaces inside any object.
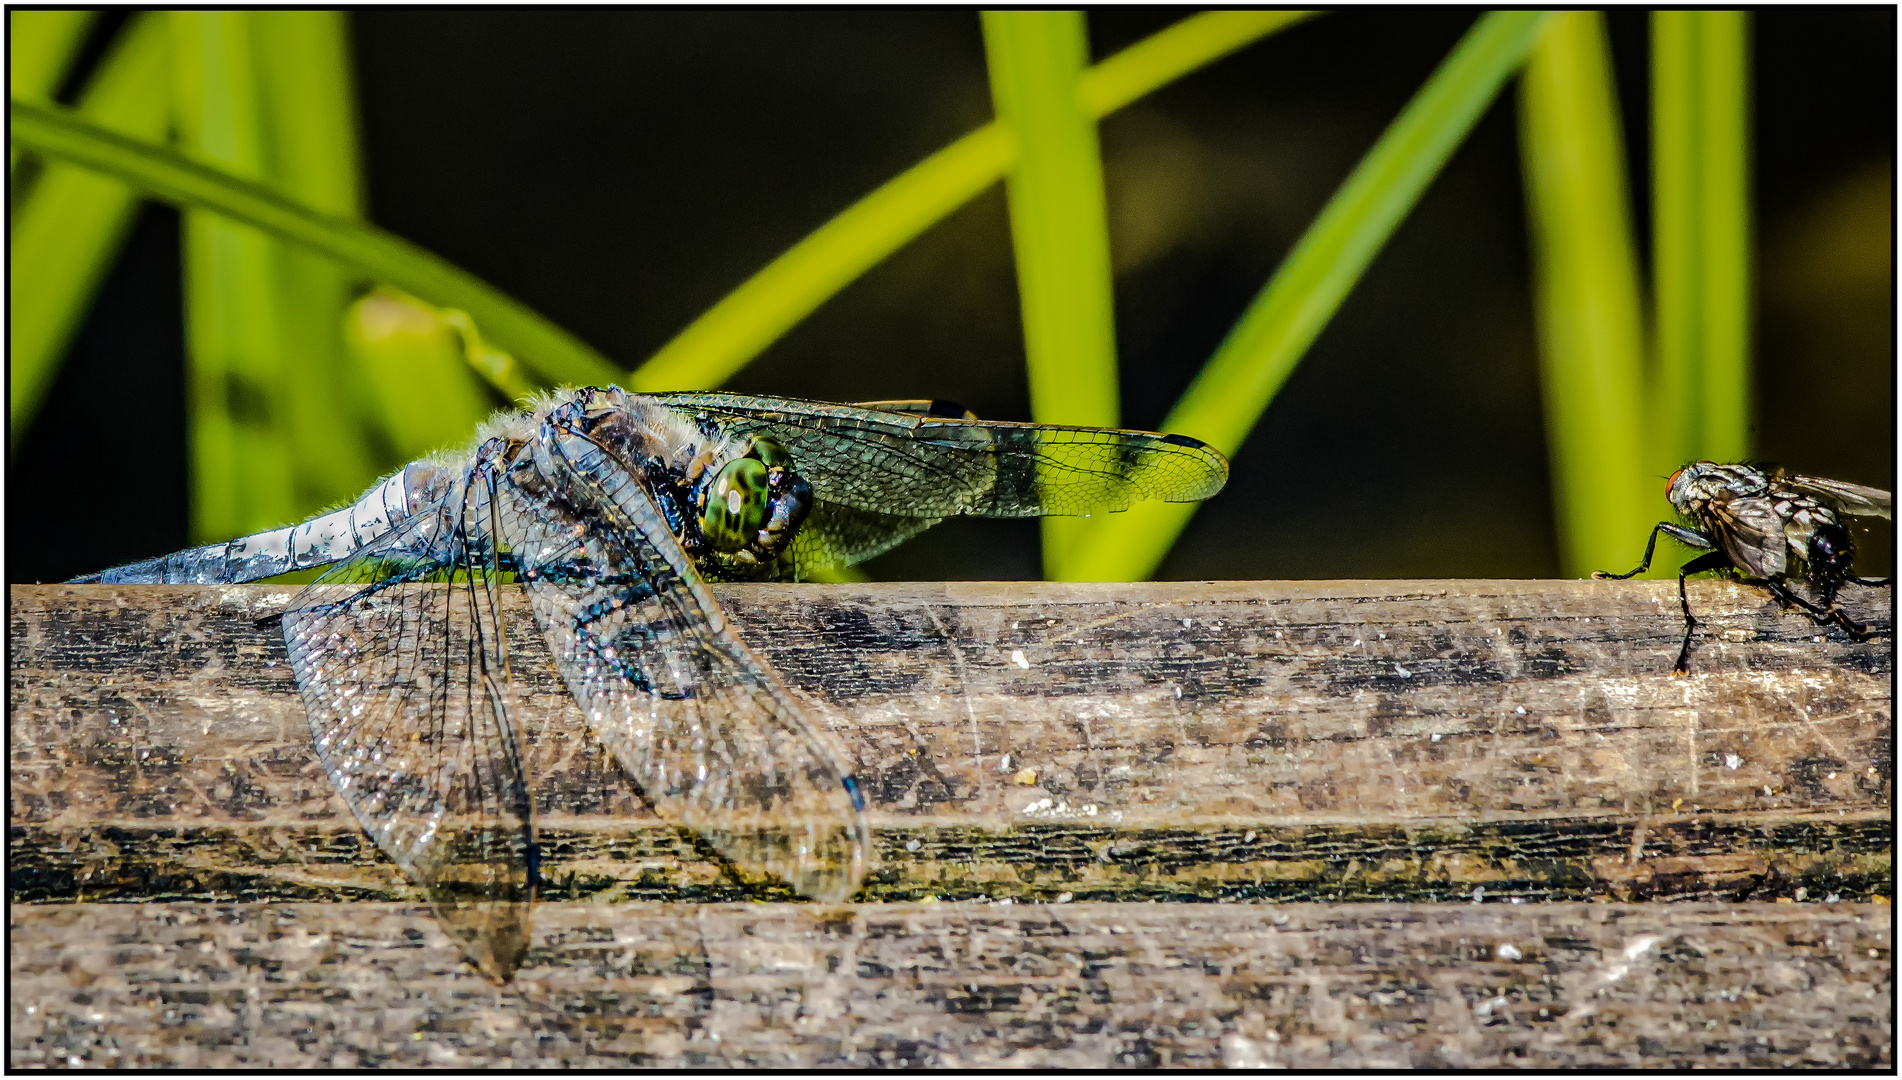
{"x":706,"y":730}
{"x":398,"y":653}
{"x":1848,"y":498}
{"x":914,"y":463}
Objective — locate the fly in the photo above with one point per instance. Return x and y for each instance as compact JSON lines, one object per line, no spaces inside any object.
{"x":1769,"y":528}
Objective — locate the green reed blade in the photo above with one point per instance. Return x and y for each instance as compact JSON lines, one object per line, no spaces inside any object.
{"x":1675,"y":417}
{"x":310,"y":116}
{"x":40,"y":47}
{"x":242,"y":474}
{"x":1229,"y":395}
{"x":550,"y":351}
{"x":1059,"y":227}
{"x":1724,"y":190}
{"x":1701,"y":236}
{"x":1586,"y":290}
{"x":757,"y":313}
{"x":70,"y":224}
{"x":412,"y":361}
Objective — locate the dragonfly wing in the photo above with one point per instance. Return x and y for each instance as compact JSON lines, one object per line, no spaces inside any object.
{"x":1848,"y":498}
{"x":398,"y":654}
{"x":707,"y":731}
{"x":915,"y":463}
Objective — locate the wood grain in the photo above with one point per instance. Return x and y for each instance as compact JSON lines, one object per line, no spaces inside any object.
{"x":1253,"y":740}
{"x":1071,"y":787}
{"x":1306,"y":986}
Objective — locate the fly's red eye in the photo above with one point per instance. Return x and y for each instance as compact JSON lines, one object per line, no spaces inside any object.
{"x":1672,"y":482}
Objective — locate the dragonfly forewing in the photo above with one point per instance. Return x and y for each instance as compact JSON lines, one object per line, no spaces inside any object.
{"x":714,"y":740}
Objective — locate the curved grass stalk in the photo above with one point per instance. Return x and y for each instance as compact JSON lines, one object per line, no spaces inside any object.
{"x":754,"y":315}
{"x":550,"y":351}
{"x":1229,"y":395}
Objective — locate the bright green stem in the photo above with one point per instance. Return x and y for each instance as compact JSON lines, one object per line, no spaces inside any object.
{"x":753,"y":316}
{"x":1586,"y":293}
{"x":1700,"y":104}
{"x":71,"y":223}
{"x":1229,"y":395}
{"x":1059,"y":228}
{"x":549,"y":350}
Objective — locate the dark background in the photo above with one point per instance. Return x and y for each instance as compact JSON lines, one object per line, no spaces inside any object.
{"x":620,"y":171}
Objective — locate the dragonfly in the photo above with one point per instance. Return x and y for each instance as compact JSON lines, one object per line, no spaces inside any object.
{"x":1770,"y":527}
{"x":614,"y":510}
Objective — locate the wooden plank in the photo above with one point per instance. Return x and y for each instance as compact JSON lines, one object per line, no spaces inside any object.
{"x":1307,"y":986}
{"x":1394,"y":740}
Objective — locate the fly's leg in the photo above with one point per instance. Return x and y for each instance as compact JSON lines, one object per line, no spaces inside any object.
{"x":1821,"y":616}
{"x":1687,"y":537}
{"x":1715,"y":560}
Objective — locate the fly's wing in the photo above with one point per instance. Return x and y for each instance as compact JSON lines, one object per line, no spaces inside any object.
{"x":399,"y":655}
{"x":1750,"y":531}
{"x":707,"y":731}
{"x":904,"y":459}
{"x":1847,"y":498}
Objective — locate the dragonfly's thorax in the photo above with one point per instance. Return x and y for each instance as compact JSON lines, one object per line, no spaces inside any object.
{"x":733,"y":502}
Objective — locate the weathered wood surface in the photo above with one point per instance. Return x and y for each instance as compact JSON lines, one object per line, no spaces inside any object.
{"x":1254,"y":740}
{"x":186,"y":888}
{"x":1308,"y":986}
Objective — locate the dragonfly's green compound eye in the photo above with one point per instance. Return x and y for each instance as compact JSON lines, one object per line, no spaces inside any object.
{"x":737,"y":505}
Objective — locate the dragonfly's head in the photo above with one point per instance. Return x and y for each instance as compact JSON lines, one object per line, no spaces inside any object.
{"x":751,"y":508}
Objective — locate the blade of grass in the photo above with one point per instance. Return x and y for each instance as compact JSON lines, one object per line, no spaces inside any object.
{"x":70,"y":225}
{"x":1676,"y":419}
{"x":413,"y":359}
{"x":40,"y":47}
{"x":1059,"y":227}
{"x":242,"y":474}
{"x":1586,"y":289}
{"x":304,"y":65}
{"x":754,"y":315}
{"x":1724,"y":97}
{"x":553,"y":353}
{"x":1229,"y":395}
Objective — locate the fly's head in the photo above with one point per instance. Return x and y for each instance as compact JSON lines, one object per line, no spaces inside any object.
{"x":1694,"y":487}
{"x":750,"y":508}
